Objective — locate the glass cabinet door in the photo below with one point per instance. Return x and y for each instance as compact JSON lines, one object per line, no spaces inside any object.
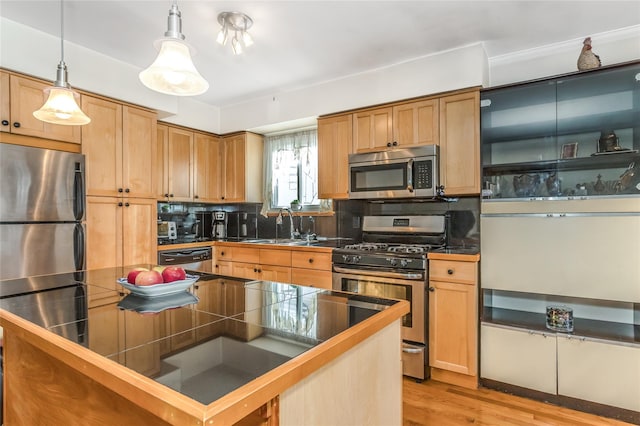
{"x":572,"y":136}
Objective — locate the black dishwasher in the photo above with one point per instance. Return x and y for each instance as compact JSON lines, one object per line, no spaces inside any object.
{"x":196,"y":259}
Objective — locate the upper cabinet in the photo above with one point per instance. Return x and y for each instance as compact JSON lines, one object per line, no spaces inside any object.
{"x":242,"y":165}
{"x":19,"y":98}
{"x":460,"y":143}
{"x":203,"y":167}
{"x":373,"y":130}
{"x":121,"y":140}
{"x":576,"y":135}
{"x":403,"y":125}
{"x":207,"y":163}
{"x":416,"y":123}
{"x":334,"y":146}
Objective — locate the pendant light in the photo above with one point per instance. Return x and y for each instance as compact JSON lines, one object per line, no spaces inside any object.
{"x":173,"y":72}
{"x":61,"y":106}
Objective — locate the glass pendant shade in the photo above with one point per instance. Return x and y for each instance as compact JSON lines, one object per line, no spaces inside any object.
{"x":173,"y":72}
{"x":61,"y":106}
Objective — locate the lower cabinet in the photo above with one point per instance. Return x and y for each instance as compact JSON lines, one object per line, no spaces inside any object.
{"x":453,"y":320}
{"x":567,"y":365}
{"x":519,"y":357}
{"x":598,"y":371}
{"x":302,"y":267}
{"x":311,"y":268}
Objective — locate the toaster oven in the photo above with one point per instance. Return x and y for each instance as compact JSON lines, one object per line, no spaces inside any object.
{"x":167,"y":230}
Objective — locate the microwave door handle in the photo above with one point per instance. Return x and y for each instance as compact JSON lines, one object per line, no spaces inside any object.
{"x":410,"y":175}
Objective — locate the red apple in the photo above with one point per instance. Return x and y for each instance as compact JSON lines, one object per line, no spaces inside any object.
{"x":149,"y":278}
{"x":131,"y":277}
{"x":173,"y":273}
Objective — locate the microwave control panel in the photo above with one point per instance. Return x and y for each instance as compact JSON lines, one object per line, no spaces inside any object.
{"x":423,"y":172}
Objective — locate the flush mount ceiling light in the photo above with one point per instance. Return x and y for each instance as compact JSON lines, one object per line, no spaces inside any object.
{"x":61,"y":106}
{"x":238,"y":23}
{"x":173,"y":72}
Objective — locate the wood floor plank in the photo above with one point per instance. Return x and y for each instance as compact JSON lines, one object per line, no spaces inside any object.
{"x":441,"y":404}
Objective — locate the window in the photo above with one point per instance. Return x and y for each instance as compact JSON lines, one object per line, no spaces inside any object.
{"x":291,"y":170}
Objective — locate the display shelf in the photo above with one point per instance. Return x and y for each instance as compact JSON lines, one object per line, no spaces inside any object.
{"x":618,"y":160}
{"x":583,"y":327}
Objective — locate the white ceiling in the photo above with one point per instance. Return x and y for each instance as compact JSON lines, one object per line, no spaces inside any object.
{"x":303,"y":42}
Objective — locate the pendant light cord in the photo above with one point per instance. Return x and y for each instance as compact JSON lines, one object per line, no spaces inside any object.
{"x":61,"y":32}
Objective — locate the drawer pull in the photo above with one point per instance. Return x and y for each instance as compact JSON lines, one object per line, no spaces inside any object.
{"x":310,"y":260}
{"x":450,"y":271}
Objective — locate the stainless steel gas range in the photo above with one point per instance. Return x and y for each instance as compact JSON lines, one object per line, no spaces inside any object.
{"x":391,"y":261}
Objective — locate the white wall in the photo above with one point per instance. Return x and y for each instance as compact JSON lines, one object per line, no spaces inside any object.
{"x":37,"y":54}
{"x":613,"y":47}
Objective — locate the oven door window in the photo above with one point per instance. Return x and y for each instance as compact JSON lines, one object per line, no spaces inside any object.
{"x":380,"y":289}
{"x":382,"y":177}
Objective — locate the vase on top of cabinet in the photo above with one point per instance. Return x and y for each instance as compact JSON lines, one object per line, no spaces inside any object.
{"x":578,"y":133}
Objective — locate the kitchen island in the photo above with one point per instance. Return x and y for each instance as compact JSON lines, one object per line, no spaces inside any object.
{"x":225,"y":351}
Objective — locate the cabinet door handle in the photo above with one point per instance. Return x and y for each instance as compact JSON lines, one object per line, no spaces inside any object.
{"x":120,"y":204}
{"x":221,"y":253}
{"x":166,"y":195}
{"x":126,"y":204}
{"x":310,"y":260}
{"x":170,"y":195}
{"x":119,"y":189}
{"x":255,"y":269}
{"x":127,"y":190}
{"x":395,"y":143}
{"x":5,"y":122}
{"x":432,"y":289}
{"x":388,"y":144}
{"x":450,"y":271}
{"x":196,"y":197}
{"x":16,"y":124}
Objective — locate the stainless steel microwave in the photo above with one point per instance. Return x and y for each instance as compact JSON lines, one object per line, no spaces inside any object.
{"x":398,"y":173}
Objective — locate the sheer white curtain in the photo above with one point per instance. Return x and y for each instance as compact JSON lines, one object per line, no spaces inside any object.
{"x":281,"y":151}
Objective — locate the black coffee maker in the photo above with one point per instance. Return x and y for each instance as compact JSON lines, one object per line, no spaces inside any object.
{"x":203,"y":227}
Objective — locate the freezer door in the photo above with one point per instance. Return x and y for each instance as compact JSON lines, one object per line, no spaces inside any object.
{"x":41,"y":248}
{"x":40,"y":185}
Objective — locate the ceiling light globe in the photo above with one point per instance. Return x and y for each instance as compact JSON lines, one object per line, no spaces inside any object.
{"x":173,"y":72}
{"x":247,"y":39}
{"x":222,"y":36}
{"x":61,"y":107}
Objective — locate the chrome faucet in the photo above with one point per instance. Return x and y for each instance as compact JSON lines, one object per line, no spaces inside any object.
{"x":279,"y":221}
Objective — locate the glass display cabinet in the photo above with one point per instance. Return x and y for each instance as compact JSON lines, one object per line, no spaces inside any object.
{"x":576,"y":135}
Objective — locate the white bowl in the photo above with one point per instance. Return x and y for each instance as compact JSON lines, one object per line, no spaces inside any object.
{"x":159,"y":289}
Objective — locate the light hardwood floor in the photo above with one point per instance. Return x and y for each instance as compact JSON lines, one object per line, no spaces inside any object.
{"x":438,"y":404}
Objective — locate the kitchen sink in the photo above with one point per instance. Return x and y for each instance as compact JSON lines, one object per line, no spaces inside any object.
{"x":279,"y":241}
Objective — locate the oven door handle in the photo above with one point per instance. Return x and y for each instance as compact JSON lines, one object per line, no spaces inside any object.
{"x":411,"y":349}
{"x":381,"y":274}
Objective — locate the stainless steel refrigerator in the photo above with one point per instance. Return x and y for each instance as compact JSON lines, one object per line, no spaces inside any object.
{"x":42,"y":211}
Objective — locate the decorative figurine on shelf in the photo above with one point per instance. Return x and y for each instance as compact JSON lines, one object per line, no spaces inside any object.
{"x":599,"y":186}
{"x":587,"y":59}
{"x":608,"y":142}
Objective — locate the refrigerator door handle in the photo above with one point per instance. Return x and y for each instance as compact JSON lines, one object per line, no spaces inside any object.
{"x":78,"y":192}
{"x":78,"y":246}
{"x":81,"y":313}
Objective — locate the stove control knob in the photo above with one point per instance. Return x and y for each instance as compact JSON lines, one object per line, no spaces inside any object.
{"x":403,"y":262}
{"x":393,"y":262}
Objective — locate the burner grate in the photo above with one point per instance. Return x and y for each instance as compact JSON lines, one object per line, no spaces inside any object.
{"x":367,"y":246}
{"x":409,"y":248}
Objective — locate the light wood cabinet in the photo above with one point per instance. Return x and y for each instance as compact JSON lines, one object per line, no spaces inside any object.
{"x":203,"y":167}
{"x":120,"y":149}
{"x":453,"y":316}
{"x":416,"y":123}
{"x":460,"y":143}
{"x":179,"y":164}
{"x":335,"y":136}
{"x":242,"y":168}
{"x":19,"y":98}
{"x":373,"y":130}
{"x":311,"y":268}
{"x":283,"y":264}
{"x":120,"y":231}
{"x":207,"y":164}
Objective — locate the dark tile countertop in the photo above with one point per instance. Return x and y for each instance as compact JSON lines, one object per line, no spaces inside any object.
{"x":263,"y":320}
